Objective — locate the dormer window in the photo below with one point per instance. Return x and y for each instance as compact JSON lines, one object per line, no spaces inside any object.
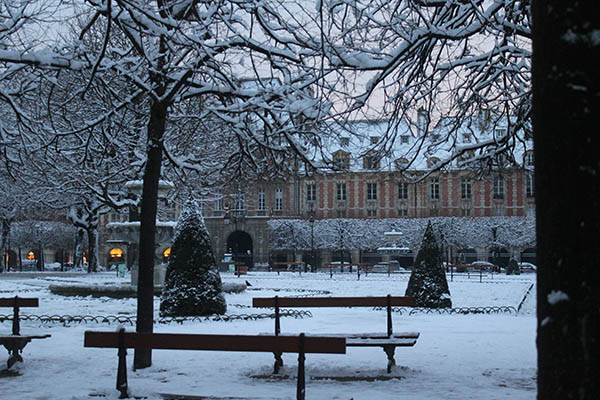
{"x":435,"y":137}
{"x":466,"y":138}
{"x":401,"y":163}
{"x":374,"y":139}
{"x":345,"y":141}
{"x":404,"y":139}
{"x":432,"y":161}
{"x":500,"y":132}
{"x":371,"y":161}
{"x":341,"y":160}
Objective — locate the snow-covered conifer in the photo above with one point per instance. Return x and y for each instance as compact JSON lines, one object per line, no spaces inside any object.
{"x":192,"y":283}
{"x":427,"y":281}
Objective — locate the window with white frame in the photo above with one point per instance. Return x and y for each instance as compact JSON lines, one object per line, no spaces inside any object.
{"x":239,"y":203}
{"x":311,"y":192}
{"x":261,"y":199}
{"x":498,"y":192}
{"x":434,"y":188}
{"x":371,"y":212}
{"x":465,"y":188}
{"x":530,"y":186}
{"x":278,"y":199}
{"x":529,"y":160}
{"x":340,"y":191}
{"x":371,"y":191}
{"x":402,"y":191}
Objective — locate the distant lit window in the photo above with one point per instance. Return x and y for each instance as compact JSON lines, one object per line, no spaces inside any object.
{"x":31,"y":255}
{"x":116,"y":253}
{"x":166,"y":254}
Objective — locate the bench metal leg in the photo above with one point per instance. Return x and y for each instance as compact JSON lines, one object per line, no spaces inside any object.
{"x":389,"y":351}
{"x":13,"y":357}
{"x":278,"y":362}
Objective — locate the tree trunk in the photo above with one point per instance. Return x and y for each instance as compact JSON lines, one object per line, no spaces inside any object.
{"x":3,"y":250}
{"x":567,"y":171}
{"x":92,"y":253}
{"x":145,"y":294}
{"x":78,"y":253}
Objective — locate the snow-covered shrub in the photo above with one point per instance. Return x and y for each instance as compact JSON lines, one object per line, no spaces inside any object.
{"x":192,"y":283}
{"x":427,"y":281}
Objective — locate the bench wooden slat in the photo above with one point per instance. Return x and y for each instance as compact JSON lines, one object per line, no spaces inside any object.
{"x":375,"y":335}
{"x":20,"y":302}
{"x":379,"y":342}
{"x":333,"y":301}
{"x":176,"y":341}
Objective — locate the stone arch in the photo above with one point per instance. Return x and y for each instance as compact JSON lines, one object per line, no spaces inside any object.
{"x":240,"y":245}
{"x":529,"y":255}
{"x":466,"y":256}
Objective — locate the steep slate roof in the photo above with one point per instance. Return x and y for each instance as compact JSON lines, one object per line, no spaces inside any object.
{"x":402,"y":141}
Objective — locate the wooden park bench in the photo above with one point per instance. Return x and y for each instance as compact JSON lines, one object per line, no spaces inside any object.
{"x":388,"y":340}
{"x":289,"y":266}
{"x":15,"y":342}
{"x":300,"y":344}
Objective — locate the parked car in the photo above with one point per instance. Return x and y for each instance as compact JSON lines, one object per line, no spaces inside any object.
{"x":384,"y":266}
{"x":485,"y":264}
{"x":527,"y":267}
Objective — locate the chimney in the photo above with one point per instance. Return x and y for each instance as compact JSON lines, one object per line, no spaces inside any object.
{"x":422,"y":122}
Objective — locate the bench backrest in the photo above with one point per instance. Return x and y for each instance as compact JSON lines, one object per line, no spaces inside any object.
{"x":387,"y":301}
{"x":333,"y":301}
{"x":17,"y":302}
{"x":179,"y":341}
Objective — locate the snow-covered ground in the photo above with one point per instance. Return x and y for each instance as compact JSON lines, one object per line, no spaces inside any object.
{"x":474,"y":356}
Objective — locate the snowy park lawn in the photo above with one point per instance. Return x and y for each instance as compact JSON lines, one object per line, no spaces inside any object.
{"x":472,"y":356}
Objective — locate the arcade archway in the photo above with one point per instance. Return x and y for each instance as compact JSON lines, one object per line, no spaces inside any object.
{"x":239,"y":244}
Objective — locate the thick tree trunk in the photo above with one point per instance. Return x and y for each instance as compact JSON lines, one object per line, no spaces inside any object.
{"x":145,"y":294}
{"x":567,"y":173}
{"x":78,"y":252}
{"x":92,"y":235}
{"x":3,"y":248}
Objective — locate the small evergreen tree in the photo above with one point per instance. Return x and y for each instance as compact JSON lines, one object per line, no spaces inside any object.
{"x":513,"y":268}
{"x":427,"y":281}
{"x":192,"y":282}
